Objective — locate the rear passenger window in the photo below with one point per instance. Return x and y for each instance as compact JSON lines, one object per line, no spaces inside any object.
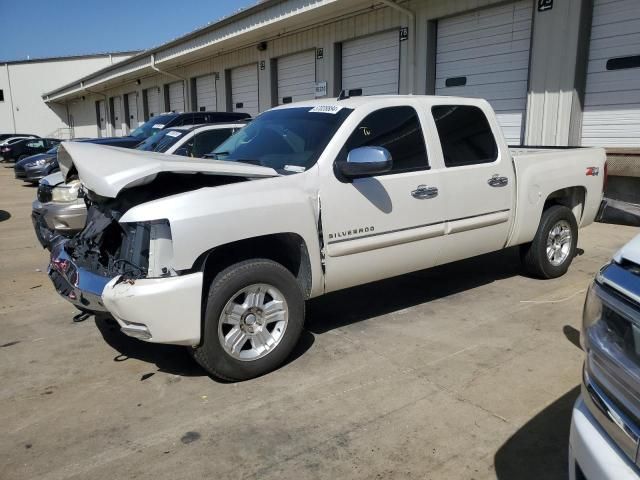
{"x":398,"y":130}
{"x":465,"y":135}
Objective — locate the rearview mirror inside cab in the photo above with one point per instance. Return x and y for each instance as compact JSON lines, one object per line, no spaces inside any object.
{"x":365,"y":162}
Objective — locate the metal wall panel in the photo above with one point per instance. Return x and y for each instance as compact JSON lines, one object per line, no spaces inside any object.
{"x":612,"y":97}
{"x":206,"y":93}
{"x":296,"y":77}
{"x":372,"y":63}
{"x":244,"y":89}
{"x":176,"y":97}
{"x":486,"y":54}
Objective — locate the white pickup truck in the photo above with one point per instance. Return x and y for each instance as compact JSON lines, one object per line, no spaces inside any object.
{"x":220,"y":255}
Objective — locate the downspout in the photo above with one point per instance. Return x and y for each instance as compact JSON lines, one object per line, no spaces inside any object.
{"x":412,"y":38}
{"x":173,"y":75}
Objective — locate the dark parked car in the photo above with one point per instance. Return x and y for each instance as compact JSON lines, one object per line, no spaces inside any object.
{"x":167,"y":120}
{"x":27,"y":147}
{"x":4,"y":136}
{"x":35,"y":167}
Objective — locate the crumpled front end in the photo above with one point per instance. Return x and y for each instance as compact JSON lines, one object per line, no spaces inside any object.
{"x":81,"y":267}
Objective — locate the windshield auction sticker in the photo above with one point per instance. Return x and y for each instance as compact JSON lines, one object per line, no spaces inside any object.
{"x":173,"y":133}
{"x":158,"y":125}
{"x":333,"y":109}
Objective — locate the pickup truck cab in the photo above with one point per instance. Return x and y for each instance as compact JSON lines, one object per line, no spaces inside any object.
{"x":307,"y":199}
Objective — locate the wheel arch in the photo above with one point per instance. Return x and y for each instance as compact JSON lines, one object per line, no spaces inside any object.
{"x":288,"y":249}
{"x":573,"y":198}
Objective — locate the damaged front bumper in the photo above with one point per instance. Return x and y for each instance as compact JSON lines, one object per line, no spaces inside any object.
{"x":157,"y":310}
{"x":75,"y":284}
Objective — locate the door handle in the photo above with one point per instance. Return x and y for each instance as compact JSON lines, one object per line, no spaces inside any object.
{"x":498,"y":181}
{"x":422,"y":192}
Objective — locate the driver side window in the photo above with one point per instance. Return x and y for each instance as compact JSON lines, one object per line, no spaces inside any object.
{"x":398,"y":130}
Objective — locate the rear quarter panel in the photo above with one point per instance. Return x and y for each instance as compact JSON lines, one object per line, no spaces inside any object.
{"x":539,"y":173}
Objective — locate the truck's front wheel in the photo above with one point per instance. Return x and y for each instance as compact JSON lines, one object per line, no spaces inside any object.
{"x":254,"y":318}
{"x":554,"y":246}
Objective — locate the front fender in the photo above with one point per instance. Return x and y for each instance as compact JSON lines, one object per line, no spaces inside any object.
{"x":210,"y":217}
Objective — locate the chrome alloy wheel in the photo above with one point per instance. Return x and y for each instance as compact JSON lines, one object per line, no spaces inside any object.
{"x":559,"y":243}
{"x":253,"y":322}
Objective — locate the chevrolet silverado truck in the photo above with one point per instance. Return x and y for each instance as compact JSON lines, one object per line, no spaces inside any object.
{"x":605,"y":428}
{"x":220,"y":255}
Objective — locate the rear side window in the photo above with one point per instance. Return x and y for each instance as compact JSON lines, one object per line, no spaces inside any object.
{"x":207,"y":141}
{"x":465,"y":135}
{"x":398,"y":130}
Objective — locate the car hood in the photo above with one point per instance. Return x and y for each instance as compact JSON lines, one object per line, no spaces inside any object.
{"x":109,"y":170}
{"x":34,"y":158}
{"x":630,"y":252}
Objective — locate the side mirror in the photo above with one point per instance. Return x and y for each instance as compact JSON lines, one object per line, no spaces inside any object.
{"x":366,"y":162}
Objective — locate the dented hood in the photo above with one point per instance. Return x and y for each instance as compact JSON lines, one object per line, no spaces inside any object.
{"x":109,"y":170}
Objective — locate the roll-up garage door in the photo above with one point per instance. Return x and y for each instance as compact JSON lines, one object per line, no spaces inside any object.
{"x":612,"y":96}
{"x":117,"y":116}
{"x":244,"y":89}
{"x":486,"y":54}
{"x":132,"y":102}
{"x":176,"y":97}
{"x":296,"y":77}
{"x":153,"y":101}
{"x":102,"y":118}
{"x":206,"y":93}
{"x":372,"y":63}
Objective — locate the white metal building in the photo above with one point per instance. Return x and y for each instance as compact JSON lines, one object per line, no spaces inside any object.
{"x":558,"y":72}
{"x":23,"y":82}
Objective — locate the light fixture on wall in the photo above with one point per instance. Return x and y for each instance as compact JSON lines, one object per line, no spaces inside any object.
{"x":262,"y":46}
{"x":138,"y":82}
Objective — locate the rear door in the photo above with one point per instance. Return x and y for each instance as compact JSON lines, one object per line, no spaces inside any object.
{"x":381,"y":226}
{"x":478,"y":181}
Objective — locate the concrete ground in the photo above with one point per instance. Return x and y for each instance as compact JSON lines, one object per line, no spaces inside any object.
{"x":466,"y":371}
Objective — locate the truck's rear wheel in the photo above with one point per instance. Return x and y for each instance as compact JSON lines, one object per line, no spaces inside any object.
{"x":554,"y":246}
{"x":253,"y":320}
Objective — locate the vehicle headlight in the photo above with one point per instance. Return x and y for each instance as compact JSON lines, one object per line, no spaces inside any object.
{"x":591,"y":313}
{"x":40,"y":162}
{"x":67,"y":192}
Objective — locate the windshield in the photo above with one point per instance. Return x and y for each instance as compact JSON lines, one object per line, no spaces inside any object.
{"x":53,"y":150}
{"x":162,"y":140}
{"x":288,"y":140}
{"x":152,"y":126}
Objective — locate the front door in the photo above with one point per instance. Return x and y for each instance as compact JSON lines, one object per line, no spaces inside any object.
{"x":389,"y":224}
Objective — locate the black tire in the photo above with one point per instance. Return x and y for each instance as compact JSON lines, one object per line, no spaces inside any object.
{"x":211,"y":354}
{"x":534,"y":255}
